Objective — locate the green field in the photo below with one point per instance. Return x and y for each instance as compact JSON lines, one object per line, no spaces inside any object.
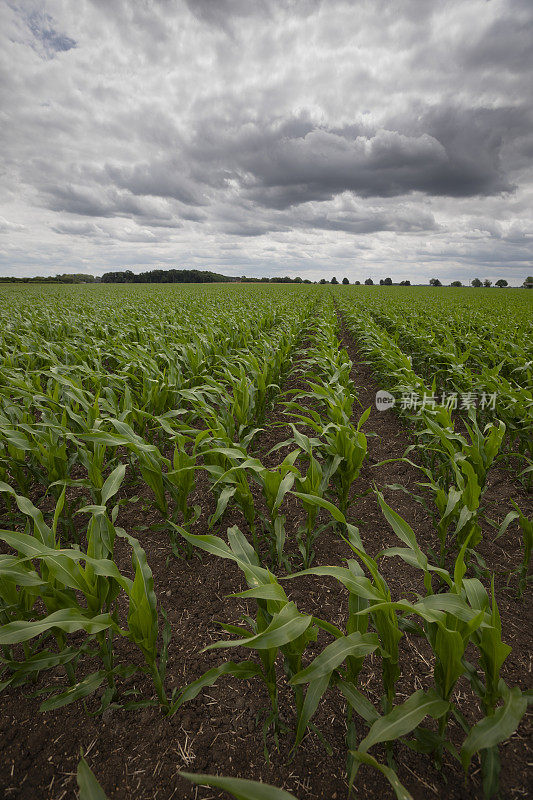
{"x":156,"y":436}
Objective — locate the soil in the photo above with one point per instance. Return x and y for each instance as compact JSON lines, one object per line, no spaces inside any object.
{"x":138,"y":754}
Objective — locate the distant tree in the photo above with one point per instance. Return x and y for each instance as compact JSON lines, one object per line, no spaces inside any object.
{"x":528,"y":283}
{"x":322,"y":280}
{"x":476,"y":283}
{"x":334,"y":280}
{"x":456,"y":283}
{"x":167,"y":276}
{"x":435,"y":282}
{"x":381,"y":281}
{"x":345,"y":281}
{"x":487,"y":283}
{"x":306,"y":280}
{"x":369,"y":282}
{"x":358,"y":283}
{"x":502,"y":283}
{"x":298,"y":279}
{"x":405,"y":283}
{"x":387,"y":282}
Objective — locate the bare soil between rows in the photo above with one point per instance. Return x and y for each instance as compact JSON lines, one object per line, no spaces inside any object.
{"x":137,"y":754}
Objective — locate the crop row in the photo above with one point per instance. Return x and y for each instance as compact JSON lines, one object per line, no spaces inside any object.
{"x":78,"y":427}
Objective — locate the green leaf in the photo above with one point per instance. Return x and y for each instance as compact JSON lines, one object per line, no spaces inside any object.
{"x":67,"y":619}
{"x":402,"y":530}
{"x":267,"y":591}
{"x":359,"y":585}
{"x":225,"y":496}
{"x":404,"y":718}
{"x":313,"y":695}
{"x":399,"y":790}
{"x":211,"y":544}
{"x":89,"y":787}
{"x":356,"y":644}
{"x":285,"y":626}
{"x":243,"y":670}
{"x":113,"y":482}
{"x":511,"y":516}
{"x":240,"y":788}
{"x":319,"y":501}
{"x":358,"y":702}
{"x":490,"y":769}
{"x":82,"y":689}
{"x":496,"y":728}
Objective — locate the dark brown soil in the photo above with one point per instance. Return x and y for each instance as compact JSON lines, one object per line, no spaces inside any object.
{"x":138,"y":754}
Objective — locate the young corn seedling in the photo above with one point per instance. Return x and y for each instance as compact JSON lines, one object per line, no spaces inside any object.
{"x":457,"y":482}
{"x":274,"y":483}
{"x":58,"y":582}
{"x":348,"y":446}
{"x":382,"y":617}
{"x":181,"y":481}
{"x":278,"y":628}
{"x":526,"y":528}
{"x":314,"y":483}
{"x":239,"y":788}
{"x":451,"y":621}
{"x":342,"y":447}
{"x":235,"y":486}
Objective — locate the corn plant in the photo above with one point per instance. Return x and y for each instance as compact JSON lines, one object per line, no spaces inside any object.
{"x":239,"y":788}
{"x":57,"y":583}
{"x":451,"y":621}
{"x":526,"y":528}
{"x":278,"y":629}
{"x":457,"y":480}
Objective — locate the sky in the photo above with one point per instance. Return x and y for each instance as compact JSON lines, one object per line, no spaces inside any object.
{"x":372,"y":138}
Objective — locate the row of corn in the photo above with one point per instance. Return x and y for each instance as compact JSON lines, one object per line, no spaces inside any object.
{"x":88,"y":422}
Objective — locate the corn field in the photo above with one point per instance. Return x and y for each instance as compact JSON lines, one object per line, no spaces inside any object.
{"x":224,"y":572}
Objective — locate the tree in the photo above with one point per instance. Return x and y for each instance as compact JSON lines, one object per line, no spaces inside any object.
{"x":476,"y":283}
{"x":435,"y":282}
{"x":502,"y":283}
{"x":528,"y":283}
{"x":381,"y":281}
{"x":345,"y":281}
{"x":405,"y":283}
{"x":456,"y":283}
{"x":322,"y":280}
{"x":487,"y":283}
{"x":334,"y":280}
{"x":387,"y":282}
{"x":369,"y":282}
{"x":358,"y":283}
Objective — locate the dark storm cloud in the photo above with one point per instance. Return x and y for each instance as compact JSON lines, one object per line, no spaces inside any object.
{"x":454,"y":152}
{"x":449,"y":150}
{"x":97,"y":202}
{"x":167,"y":178}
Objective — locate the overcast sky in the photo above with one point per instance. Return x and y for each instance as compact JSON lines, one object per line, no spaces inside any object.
{"x":282,"y":137}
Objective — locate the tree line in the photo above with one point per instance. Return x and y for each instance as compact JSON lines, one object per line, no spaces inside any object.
{"x":205,"y":276}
